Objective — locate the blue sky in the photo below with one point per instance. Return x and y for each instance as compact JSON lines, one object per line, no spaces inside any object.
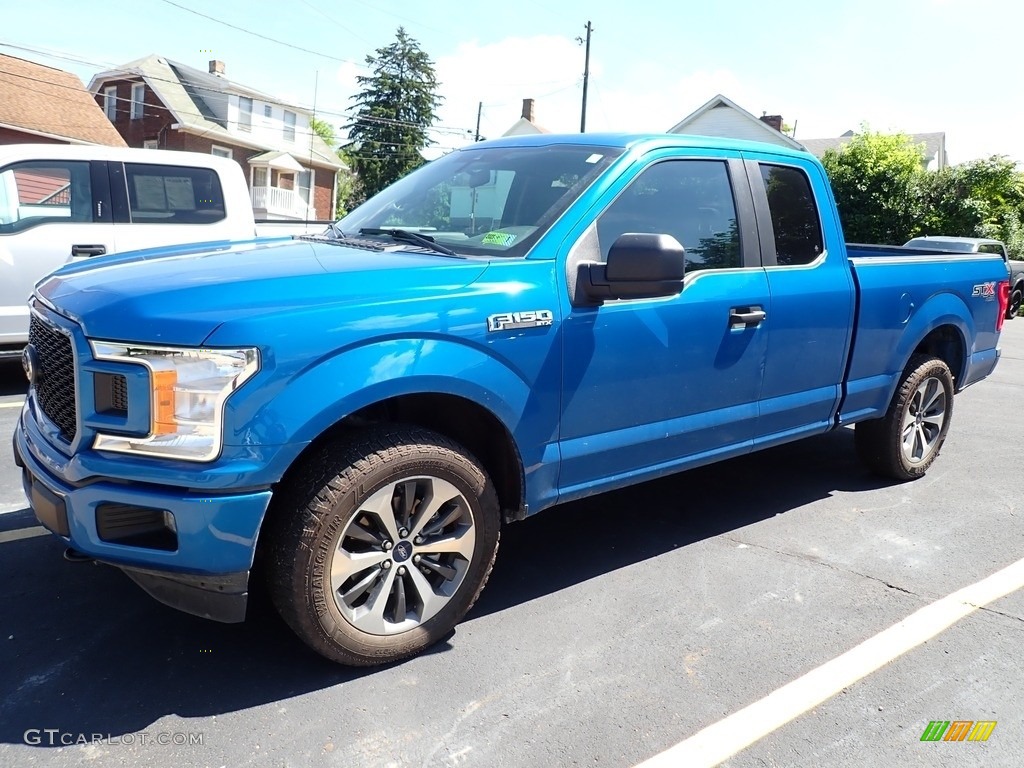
{"x":824,"y":65}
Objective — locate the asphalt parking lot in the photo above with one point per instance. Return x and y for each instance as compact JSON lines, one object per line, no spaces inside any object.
{"x":612,"y":630}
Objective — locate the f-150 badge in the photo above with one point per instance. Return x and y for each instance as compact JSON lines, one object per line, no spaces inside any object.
{"x":509,"y":321}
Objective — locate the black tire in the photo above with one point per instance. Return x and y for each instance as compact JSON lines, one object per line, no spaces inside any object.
{"x":880,"y":442}
{"x":1013,"y":307}
{"x":319,"y":514}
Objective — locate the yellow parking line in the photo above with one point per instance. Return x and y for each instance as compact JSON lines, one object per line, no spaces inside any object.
{"x":23,"y":533}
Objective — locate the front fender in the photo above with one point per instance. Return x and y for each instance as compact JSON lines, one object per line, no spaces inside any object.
{"x":320,"y":396}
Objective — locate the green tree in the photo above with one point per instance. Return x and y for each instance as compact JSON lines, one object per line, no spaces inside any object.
{"x":875,"y":178}
{"x":324,"y":130}
{"x":350,"y":189}
{"x":980,"y":198}
{"x":396,"y":106}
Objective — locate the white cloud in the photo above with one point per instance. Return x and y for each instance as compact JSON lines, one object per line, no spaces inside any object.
{"x":545,"y":68}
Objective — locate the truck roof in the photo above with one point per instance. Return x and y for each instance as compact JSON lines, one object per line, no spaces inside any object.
{"x":18,"y":152}
{"x":634,"y":140}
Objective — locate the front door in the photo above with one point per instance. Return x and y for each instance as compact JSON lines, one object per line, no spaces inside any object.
{"x":658,"y":384}
{"x":50,"y":211}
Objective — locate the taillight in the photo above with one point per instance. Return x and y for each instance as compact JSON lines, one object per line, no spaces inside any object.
{"x":1003,"y":292}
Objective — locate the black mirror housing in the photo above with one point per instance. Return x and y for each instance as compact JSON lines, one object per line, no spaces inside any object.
{"x":640,"y":266}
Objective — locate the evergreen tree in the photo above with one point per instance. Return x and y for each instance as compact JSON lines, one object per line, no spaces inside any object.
{"x":397,"y":104}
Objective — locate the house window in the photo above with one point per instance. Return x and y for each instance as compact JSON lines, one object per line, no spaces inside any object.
{"x":244,"y":113}
{"x":305,"y":180}
{"x":289,"y":126}
{"x":268,"y":111}
{"x":138,"y":100}
{"x":259,"y":177}
{"x":151,"y":144}
{"x":110,"y":103}
{"x":220,"y":151}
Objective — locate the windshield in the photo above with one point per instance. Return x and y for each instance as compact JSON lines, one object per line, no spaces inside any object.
{"x":486,"y":201}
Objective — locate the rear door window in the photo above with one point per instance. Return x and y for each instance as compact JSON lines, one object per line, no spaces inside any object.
{"x":172,"y":194}
{"x":794,"y":215}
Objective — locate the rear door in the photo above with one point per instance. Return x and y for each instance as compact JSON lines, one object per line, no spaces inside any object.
{"x":157,"y":204}
{"x":49,"y":210}
{"x":661,"y":383}
{"x":812,"y":297}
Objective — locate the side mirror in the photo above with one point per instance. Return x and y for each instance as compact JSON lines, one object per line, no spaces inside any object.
{"x":640,"y":266}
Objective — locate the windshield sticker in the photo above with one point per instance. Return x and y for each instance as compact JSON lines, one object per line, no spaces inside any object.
{"x":594,"y":158}
{"x":499,"y":238}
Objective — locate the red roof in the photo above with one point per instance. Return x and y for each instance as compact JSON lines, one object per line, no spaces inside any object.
{"x":41,"y":99}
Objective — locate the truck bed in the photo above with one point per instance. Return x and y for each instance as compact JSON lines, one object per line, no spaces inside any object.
{"x":892,"y":290}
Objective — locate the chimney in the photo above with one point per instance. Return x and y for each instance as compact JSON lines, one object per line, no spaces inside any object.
{"x":528,"y":109}
{"x":775,"y":121}
{"x":217,"y":68}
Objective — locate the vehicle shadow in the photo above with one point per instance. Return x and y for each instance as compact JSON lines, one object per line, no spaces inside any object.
{"x":12,"y":378}
{"x":84,"y":650}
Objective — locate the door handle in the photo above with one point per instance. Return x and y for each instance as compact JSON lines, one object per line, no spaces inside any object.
{"x":746,"y":316}
{"x":88,"y":250}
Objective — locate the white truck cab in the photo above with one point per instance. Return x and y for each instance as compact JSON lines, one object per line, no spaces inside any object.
{"x":60,"y":203}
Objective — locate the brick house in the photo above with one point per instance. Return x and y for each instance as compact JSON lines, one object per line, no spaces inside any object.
{"x":43,"y":105}
{"x":155,"y":103}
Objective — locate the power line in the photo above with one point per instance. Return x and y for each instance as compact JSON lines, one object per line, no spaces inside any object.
{"x":334,"y":21}
{"x":257,"y":34}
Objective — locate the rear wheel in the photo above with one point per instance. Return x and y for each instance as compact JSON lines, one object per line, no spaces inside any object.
{"x":1013,"y":307}
{"x":382,"y":545}
{"x":904,"y":443}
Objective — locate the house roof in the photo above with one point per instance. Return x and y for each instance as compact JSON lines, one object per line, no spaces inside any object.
{"x":934,"y":143}
{"x":191,"y":95}
{"x":720,"y":101}
{"x":49,"y":102}
{"x":525,"y":127}
{"x":282,"y":161}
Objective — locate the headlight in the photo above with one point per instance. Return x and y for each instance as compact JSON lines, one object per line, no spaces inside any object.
{"x":188,"y":388}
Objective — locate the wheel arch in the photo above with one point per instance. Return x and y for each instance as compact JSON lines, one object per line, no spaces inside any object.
{"x":947,"y":343}
{"x":463,"y":420}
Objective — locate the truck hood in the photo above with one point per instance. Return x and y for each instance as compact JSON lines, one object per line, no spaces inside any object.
{"x":180,"y":296}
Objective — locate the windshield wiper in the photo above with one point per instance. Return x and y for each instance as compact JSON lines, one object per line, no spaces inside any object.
{"x":415,"y":238}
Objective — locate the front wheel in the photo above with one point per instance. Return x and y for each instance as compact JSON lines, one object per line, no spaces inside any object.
{"x":381,"y":544}
{"x":1013,"y":307}
{"x":904,"y":443}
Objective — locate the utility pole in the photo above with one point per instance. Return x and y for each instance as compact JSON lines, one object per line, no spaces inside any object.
{"x":479,"y":109}
{"x":586,"y":80}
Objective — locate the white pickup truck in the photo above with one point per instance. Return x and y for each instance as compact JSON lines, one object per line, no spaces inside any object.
{"x":61,"y":203}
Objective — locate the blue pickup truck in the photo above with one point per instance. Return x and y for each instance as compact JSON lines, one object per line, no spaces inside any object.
{"x":354,"y":416}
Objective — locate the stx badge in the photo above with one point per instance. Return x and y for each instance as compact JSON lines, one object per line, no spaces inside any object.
{"x":509,"y":321}
{"x":985,"y":290}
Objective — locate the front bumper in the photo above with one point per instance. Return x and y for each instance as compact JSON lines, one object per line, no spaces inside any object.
{"x":203,"y":568}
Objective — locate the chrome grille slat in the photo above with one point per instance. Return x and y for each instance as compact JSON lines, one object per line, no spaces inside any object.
{"x":55,"y":384}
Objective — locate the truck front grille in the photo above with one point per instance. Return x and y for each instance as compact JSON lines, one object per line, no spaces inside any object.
{"x":55,"y":382}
